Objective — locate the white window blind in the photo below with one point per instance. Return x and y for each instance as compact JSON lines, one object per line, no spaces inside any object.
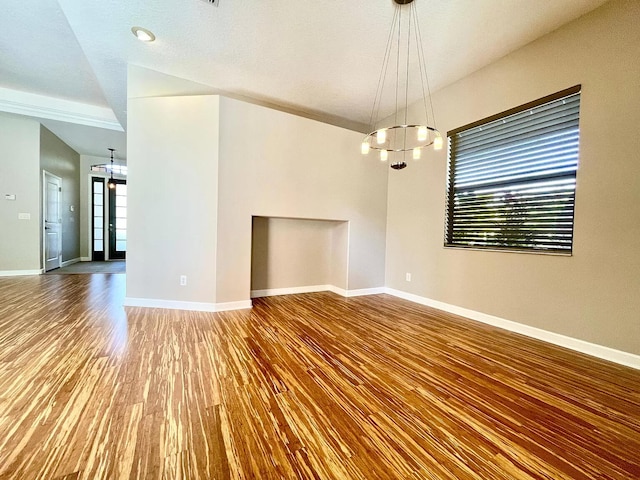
{"x":512,"y":178}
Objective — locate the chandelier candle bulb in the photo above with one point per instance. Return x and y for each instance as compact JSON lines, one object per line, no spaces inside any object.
{"x":384,"y":155}
{"x":422,"y":134}
{"x":416,"y":153}
{"x":438,"y":142}
{"x":381,"y":136}
{"x":364,"y":148}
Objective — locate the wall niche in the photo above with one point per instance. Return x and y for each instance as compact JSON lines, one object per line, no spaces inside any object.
{"x":300,"y":254}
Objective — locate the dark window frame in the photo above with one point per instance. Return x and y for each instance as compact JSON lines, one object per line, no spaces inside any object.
{"x":455,"y":193}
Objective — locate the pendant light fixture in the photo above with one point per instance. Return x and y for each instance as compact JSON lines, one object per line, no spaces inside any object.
{"x":404,"y":136}
{"x":111,"y":183}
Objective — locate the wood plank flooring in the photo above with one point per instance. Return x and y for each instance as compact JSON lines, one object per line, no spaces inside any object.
{"x":306,"y":386}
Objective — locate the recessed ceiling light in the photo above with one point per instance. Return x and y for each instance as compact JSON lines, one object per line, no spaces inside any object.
{"x":143,"y":34}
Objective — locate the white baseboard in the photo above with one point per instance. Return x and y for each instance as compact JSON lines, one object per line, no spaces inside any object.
{"x":364,"y":291}
{"x":66,"y":263}
{"x":270,"y":292}
{"x":85,"y":259}
{"x":169,"y":304}
{"x":317,"y":288}
{"x":606,"y":353}
{"x":179,"y":305}
{"x":226,"y":306}
{"x":19,"y":273}
{"x":337,"y":290}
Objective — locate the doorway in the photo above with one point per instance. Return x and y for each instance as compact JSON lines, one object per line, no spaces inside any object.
{"x":109,"y":219}
{"x":52,"y":219}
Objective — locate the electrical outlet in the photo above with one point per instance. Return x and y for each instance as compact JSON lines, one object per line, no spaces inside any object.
{"x":407,"y":277}
{"x":183,"y":280}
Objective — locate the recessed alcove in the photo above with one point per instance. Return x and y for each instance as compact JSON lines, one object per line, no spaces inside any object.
{"x":291,"y":255}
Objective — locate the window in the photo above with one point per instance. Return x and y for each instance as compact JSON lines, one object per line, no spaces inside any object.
{"x":512,"y":178}
{"x":106,"y":168}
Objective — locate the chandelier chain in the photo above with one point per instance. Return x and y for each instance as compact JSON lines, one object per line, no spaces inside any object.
{"x":398,"y":60}
{"x":406,"y":90}
{"x":423,"y":69}
{"x":375,"y":110}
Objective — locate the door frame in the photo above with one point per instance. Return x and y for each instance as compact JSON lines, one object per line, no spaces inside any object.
{"x":43,"y":220}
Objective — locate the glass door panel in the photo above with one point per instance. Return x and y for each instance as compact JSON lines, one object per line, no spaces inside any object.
{"x":97,"y":219}
{"x":118,"y":220}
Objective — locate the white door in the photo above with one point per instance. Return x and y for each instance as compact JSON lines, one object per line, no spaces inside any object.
{"x":52,"y":186}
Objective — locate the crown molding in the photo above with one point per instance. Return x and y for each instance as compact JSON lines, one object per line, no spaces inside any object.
{"x":50,"y":108}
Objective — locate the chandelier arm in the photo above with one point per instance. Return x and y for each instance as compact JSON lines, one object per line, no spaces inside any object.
{"x":383,"y":74}
{"x":373,"y":146}
{"x":424,"y":61}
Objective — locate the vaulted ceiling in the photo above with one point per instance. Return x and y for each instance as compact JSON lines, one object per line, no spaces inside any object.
{"x":65,"y":61}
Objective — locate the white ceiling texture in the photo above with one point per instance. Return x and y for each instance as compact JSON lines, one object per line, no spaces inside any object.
{"x":65,"y":61}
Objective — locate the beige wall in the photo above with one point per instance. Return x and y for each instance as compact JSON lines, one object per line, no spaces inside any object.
{"x":592,"y":295}
{"x":172,"y":157}
{"x":293,"y":252}
{"x":190,"y":214}
{"x":19,"y":175}
{"x":339,"y":273}
{"x":58,"y":158}
{"x":274,"y":164}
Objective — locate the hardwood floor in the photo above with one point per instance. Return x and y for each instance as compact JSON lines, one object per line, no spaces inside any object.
{"x":305,"y":386}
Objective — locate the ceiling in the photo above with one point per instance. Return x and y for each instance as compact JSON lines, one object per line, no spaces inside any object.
{"x":65,"y":61}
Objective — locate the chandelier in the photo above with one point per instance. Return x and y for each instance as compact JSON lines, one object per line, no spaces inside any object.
{"x":111,"y":183}
{"x":396,"y":141}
